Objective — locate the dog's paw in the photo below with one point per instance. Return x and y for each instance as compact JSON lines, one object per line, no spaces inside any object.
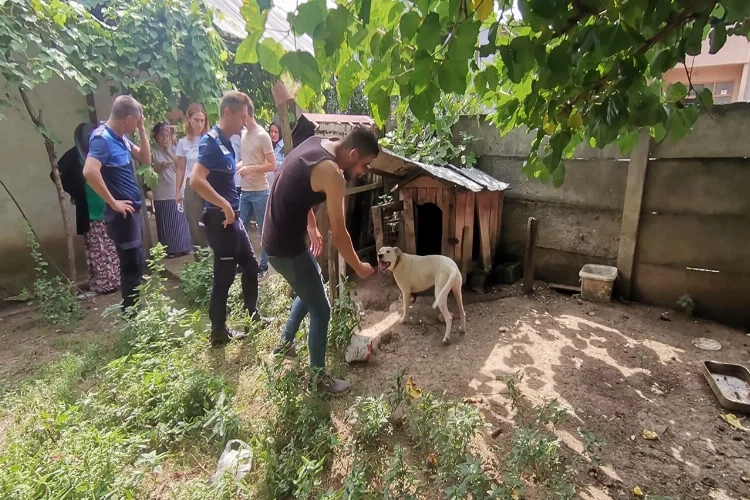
{"x":402,"y":320}
{"x":446,"y":341}
{"x":461,"y":330}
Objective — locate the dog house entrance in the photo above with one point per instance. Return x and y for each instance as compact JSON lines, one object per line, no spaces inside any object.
{"x":429,"y":229}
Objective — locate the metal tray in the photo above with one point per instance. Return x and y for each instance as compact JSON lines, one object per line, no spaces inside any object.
{"x":730,"y":383}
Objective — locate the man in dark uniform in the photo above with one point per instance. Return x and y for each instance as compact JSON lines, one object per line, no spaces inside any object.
{"x":213,"y":179}
{"x":109,"y":171}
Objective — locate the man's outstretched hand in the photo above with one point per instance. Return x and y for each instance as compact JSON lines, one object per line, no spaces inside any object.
{"x":364,"y":270}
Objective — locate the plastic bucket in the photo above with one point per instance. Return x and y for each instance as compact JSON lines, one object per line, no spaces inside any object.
{"x":597,"y":282}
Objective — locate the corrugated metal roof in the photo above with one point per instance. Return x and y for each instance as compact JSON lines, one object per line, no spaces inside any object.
{"x":393,"y":165}
{"x":230,"y":22}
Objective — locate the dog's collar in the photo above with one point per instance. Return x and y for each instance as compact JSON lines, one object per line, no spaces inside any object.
{"x":398,"y":260}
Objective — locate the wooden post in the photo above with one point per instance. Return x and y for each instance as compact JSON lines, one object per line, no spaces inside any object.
{"x":283,"y":99}
{"x":631,"y":212}
{"x":528,"y":258}
{"x":466,"y":245}
{"x":342,"y":272}
{"x":410,"y":238}
{"x":377,"y":227}
{"x":333,"y":275}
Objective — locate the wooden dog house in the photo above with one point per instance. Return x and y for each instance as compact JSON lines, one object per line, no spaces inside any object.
{"x":448,"y":210}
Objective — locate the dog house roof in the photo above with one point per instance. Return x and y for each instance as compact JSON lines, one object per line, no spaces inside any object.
{"x":390,"y":164}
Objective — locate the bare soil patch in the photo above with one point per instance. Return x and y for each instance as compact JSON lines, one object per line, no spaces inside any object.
{"x":618,"y":368}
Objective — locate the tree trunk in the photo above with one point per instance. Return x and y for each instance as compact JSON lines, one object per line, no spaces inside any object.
{"x":49,"y":145}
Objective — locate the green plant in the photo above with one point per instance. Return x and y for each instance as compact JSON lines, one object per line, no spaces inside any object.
{"x":58,"y":304}
{"x":442,"y":430}
{"x":685,"y":302}
{"x":569,"y":71}
{"x":105,"y":442}
{"x":196,"y":278}
{"x":345,"y":320}
{"x":433,"y":143}
{"x":399,"y":482}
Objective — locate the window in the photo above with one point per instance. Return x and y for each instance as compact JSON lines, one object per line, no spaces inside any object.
{"x":722,"y":92}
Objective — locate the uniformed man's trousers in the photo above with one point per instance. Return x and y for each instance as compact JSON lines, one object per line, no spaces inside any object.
{"x":125,"y":233}
{"x":231,"y":246}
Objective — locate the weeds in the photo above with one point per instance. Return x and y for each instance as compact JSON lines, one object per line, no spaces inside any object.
{"x":345,"y":320}
{"x":58,"y":304}
{"x":103,"y":443}
{"x":195,"y":278}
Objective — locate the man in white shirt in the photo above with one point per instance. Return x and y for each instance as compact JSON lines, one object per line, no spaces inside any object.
{"x":257,"y":159}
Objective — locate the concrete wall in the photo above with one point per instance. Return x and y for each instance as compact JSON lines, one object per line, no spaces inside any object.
{"x":694,"y":232}
{"x":24,"y":168}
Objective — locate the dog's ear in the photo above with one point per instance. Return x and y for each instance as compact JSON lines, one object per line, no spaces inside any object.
{"x":397,"y":250}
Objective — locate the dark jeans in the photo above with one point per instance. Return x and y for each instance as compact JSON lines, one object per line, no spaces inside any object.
{"x":231,"y":247}
{"x":126,"y":234}
{"x":303,"y":275}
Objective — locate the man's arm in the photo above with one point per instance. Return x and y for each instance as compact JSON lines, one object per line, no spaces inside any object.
{"x":199,"y":183}
{"x":180,"y":171}
{"x":268,"y":166}
{"x":92,"y":171}
{"x":142,"y":153}
{"x":326,"y":177}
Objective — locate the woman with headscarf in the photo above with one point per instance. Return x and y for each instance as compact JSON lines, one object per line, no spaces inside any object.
{"x":171,"y":224}
{"x":274,"y":130}
{"x":101,"y":256}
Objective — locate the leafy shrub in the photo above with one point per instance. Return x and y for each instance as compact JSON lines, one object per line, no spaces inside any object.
{"x":58,"y":304}
{"x":196,"y":277}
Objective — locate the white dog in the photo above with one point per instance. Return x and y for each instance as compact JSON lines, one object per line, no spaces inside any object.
{"x":415,"y":273}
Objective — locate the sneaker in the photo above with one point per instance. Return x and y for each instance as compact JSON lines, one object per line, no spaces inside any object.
{"x":219,"y":339}
{"x":285,"y":349}
{"x":262,"y":274}
{"x":332,"y":385}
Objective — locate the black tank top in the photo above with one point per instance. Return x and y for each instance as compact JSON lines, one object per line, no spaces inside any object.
{"x":291,"y":198}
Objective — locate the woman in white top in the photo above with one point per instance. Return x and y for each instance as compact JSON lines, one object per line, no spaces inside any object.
{"x":196,"y":125}
{"x":171,"y":225}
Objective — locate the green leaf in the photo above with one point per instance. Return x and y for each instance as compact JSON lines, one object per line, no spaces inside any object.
{"x":408,"y":25}
{"x":364,"y":11}
{"x":452,"y":77}
{"x":247,"y":50}
{"x":337,"y":22}
{"x":717,"y":38}
{"x":305,"y":96}
{"x":676,"y":92}
{"x":309,"y":16}
{"x":264,"y":5}
{"x":348,"y":80}
{"x":303,"y":67}
{"x":270,"y":53}
{"x":380,"y":103}
{"x":681,"y":121}
{"x":430,"y":33}
{"x":706,"y":98}
{"x":421,"y":106}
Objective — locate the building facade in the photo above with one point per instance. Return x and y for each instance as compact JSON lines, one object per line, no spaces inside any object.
{"x":725,"y":73}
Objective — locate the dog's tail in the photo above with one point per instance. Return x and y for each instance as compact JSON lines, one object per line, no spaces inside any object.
{"x":443,"y":295}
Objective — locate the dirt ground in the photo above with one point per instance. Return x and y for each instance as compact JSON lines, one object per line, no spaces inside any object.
{"x":618,"y":368}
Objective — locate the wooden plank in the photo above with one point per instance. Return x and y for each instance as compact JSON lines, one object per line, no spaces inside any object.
{"x":421,"y":196}
{"x":377,"y":226}
{"x":460,"y":209}
{"x":528,"y":259}
{"x":467,"y":243}
{"x":424,"y":182}
{"x":410,"y":238}
{"x":442,"y":203}
{"x":365,"y":188}
{"x":449,"y":217}
{"x":631,"y":212}
{"x":332,"y":272}
{"x":465,"y":251}
{"x":389,"y":208}
{"x":286,"y":129}
{"x":494,"y":205}
{"x":484,"y":204}
{"x":498,"y":237}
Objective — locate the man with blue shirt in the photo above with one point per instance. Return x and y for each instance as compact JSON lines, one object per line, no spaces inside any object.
{"x":213,"y":179}
{"x":109,"y":171}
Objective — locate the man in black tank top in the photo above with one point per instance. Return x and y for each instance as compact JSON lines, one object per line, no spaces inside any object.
{"x":315,"y":171}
